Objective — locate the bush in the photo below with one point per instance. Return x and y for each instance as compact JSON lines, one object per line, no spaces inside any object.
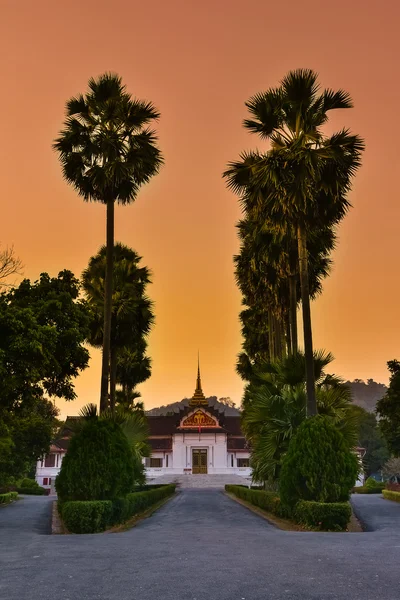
{"x":268,"y":501}
{"x":8,"y":497}
{"x":394,"y":487}
{"x":29,"y":483}
{"x":318,"y":466}
{"x":39,"y":491}
{"x":99,"y":464}
{"x":332,"y":516}
{"x":93,"y":516}
{"x":373,"y":484}
{"x":86,"y":516}
{"x":390,"y":495}
{"x":362,"y":489}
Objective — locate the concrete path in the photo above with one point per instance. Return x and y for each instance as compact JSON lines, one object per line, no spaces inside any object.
{"x":199,"y":546}
{"x":376,"y":513}
{"x":206,"y":481}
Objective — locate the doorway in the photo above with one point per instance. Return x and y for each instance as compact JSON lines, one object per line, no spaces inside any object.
{"x":199,"y":462}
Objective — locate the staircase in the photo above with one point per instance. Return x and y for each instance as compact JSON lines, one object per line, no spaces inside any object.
{"x":201,"y":481}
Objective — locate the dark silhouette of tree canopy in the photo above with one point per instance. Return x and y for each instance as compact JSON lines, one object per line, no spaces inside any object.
{"x":131,"y":318}
{"x":304,"y":179}
{"x":388,"y":409}
{"x":107,"y":152}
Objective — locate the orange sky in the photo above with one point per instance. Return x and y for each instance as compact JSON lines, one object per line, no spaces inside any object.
{"x":199,"y":62}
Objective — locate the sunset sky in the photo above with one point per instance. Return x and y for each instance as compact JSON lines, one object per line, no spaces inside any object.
{"x":199,"y":61}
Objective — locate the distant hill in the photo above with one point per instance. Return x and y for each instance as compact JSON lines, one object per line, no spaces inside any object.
{"x":366,"y":394}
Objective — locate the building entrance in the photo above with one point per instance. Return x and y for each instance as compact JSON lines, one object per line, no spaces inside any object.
{"x":199,"y":461}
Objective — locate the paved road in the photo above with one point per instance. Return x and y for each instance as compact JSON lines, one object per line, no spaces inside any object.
{"x":376,"y":513}
{"x":199,"y":546}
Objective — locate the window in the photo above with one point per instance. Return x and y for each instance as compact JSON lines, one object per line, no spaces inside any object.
{"x":45,"y":481}
{"x":155,"y":463}
{"x":243,"y":462}
{"x":166,"y":461}
{"x":50,"y":460}
{"x":49,"y":480}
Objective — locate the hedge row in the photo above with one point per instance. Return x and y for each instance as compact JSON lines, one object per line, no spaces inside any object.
{"x":268,"y":501}
{"x":391,"y":495}
{"x":93,"y":516}
{"x":8,"y":497}
{"x":363,"y":489}
{"x":33,"y":491}
{"x":319,"y":515}
{"x":332,"y":516}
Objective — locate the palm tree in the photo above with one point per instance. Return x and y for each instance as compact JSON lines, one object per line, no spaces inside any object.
{"x":132,"y":315}
{"x":305,"y":176}
{"x":107,"y":151}
{"x":274,"y":406}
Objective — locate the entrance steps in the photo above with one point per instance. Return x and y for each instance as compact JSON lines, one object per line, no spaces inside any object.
{"x":201,"y":481}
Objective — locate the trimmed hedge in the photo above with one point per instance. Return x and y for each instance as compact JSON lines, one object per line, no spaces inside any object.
{"x":363,"y":489}
{"x":8,"y":497}
{"x":391,"y":495}
{"x":39,"y":491}
{"x":268,"y":501}
{"x":332,"y":516}
{"x":93,"y":516}
{"x":320,"y":515}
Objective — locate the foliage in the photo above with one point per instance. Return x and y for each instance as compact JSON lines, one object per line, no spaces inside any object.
{"x":32,"y":491}
{"x":131,"y":318}
{"x":332,"y":516}
{"x":370,"y":438}
{"x":388,"y":409}
{"x":274,"y":406}
{"x":391,"y":469}
{"x":99,"y":464}
{"x":43,"y":327}
{"x":86,"y":516}
{"x":372,"y":484}
{"x":94,"y":516}
{"x":29,"y":483}
{"x":107,"y":152}
{"x":8,"y":497}
{"x":296,"y":191}
{"x":268,"y":501}
{"x":391,"y":495}
{"x":319,"y":465}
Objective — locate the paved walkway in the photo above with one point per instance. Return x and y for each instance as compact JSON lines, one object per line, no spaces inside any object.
{"x":199,"y":546}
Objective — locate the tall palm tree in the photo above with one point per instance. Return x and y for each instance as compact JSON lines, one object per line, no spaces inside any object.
{"x":274,"y":406}
{"x":107,"y":151}
{"x":132,"y":315}
{"x":305,"y":176}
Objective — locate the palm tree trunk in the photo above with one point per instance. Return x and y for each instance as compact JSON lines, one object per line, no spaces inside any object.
{"x":288,"y":334}
{"x":107,"y":307}
{"x":305,"y":301}
{"x":270,"y":336}
{"x":293,"y":312}
{"x":113,"y":377}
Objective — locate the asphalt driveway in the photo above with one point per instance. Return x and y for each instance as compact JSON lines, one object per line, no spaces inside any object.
{"x":201,"y":545}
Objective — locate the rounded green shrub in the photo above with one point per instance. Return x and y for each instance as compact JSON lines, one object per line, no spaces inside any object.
{"x":99,"y":464}
{"x":318,"y":466}
{"x":29,"y":483}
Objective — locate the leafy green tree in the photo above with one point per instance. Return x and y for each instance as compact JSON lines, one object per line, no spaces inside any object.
{"x":43,"y":327}
{"x":274,"y":407}
{"x":319,"y":464}
{"x":370,"y":438}
{"x":132,"y":314}
{"x":104,"y":459}
{"x":306,"y":175}
{"x":388,"y":409}
{"x":107,"y":152}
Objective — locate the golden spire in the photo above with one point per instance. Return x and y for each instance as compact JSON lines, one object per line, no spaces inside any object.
{"x":198,"y":396}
